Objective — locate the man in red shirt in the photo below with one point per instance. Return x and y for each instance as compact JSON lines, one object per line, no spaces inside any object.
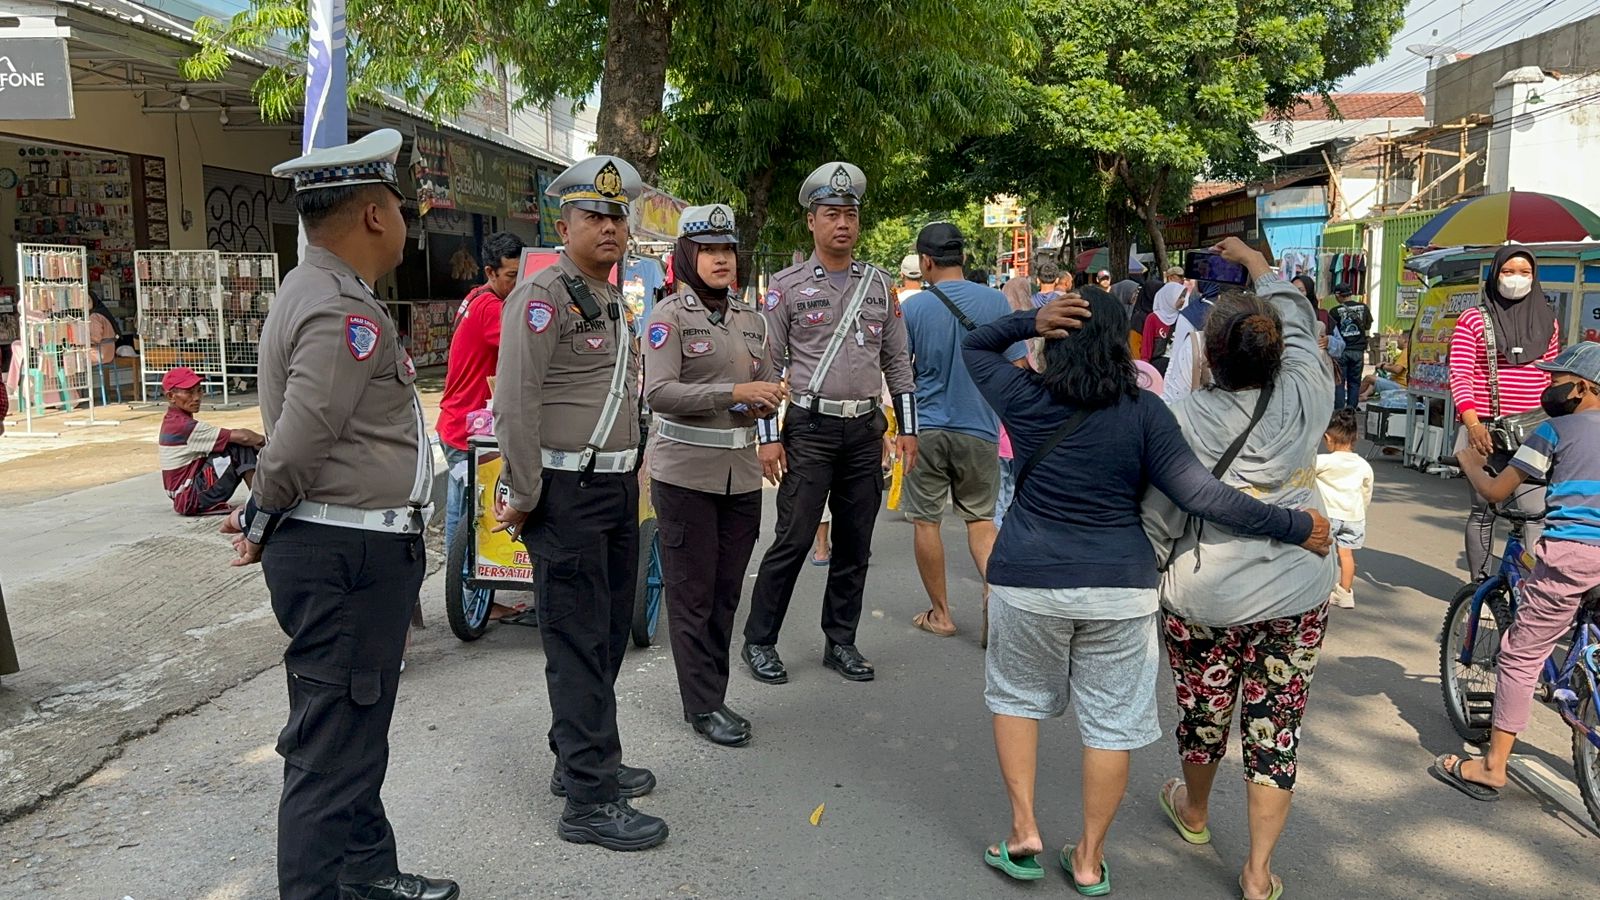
{"x":201,"y":465}
{"x":474,"y":352}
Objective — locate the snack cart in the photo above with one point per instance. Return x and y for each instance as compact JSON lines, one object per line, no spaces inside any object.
{"x":484,"y":562}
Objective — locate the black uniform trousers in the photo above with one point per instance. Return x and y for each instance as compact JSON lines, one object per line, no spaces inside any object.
{"x":706,"y":542}
{"x":585,"y":538}
{"x":838,"y":462}
{"x":344,"y":597}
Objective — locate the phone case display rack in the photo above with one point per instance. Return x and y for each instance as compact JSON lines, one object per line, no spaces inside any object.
{"x":86,"y":200}
{"x":425,"y":326}
{"x":249,"y":285}
{"x":203,"y":309}
{"x":53,"y":309}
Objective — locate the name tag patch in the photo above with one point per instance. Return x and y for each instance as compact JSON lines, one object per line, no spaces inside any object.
{"x":659,"y":332}
{"x":361,"y":334}
{"x":540,"y":315}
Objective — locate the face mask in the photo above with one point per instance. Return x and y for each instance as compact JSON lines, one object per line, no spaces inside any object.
{"x":1515,"y":287}
{"x":1557,"y":399}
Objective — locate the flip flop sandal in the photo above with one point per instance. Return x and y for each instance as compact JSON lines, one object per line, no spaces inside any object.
{"x":1170,"y":806}
{"x":1022,"y":868}
{"x":921,"y":621}
{"x":1099,"y":888}
{"x":1277,"y":889}
{"x":821,"y":560}
{"x":1452,"y":776}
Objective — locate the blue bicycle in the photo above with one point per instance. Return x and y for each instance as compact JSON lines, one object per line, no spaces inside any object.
{"x":1479,"y":615}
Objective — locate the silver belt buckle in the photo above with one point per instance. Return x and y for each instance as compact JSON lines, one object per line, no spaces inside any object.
{"x":586,"y":459}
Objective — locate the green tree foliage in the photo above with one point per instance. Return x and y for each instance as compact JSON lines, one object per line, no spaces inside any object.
{"x":1131,"y":99}
{"x":761,"y":91}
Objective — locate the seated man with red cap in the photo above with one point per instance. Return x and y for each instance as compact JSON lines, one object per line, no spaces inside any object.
{"x":201,"y":465}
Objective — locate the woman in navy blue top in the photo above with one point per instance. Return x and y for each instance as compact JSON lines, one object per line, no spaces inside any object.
{"x":1074,"y":603}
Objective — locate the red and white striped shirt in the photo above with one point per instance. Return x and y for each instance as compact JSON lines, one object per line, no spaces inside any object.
{"x":1520,"y":386}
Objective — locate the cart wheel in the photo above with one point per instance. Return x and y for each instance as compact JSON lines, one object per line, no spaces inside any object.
{"x":466,"y":605}
{"x":647,"y":598}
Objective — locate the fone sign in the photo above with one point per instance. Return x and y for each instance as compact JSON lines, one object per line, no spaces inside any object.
{"x":35,"y":81}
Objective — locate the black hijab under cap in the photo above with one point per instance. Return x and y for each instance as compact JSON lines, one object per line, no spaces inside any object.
{"x":686,"y":268}
{"x":1522,"y":328}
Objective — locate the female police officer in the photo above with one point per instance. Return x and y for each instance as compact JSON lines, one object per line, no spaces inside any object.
{"x":708,"y":378}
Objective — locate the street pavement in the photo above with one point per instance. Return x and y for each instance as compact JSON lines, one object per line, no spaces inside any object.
{"x":904,"y":766}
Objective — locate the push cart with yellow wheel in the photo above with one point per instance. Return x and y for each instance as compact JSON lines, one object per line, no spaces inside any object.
{"x":483,"y":563}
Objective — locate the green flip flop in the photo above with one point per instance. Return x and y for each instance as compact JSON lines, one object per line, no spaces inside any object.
{"x":1099,"y":888}
{"x":1025,"y":868}
{"x":1170,"y":807}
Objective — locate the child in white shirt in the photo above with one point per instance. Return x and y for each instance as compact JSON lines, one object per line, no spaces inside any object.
{"x":1345,"y":481}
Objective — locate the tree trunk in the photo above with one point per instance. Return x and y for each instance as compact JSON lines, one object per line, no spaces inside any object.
{"x":1119,"y":221}
{"x":1158,"y":240}
{"x":757,"y":189}
{"x":638,"y":40}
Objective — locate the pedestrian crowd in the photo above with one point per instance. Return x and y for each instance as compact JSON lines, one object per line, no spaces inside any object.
{"x":1145,"y":472}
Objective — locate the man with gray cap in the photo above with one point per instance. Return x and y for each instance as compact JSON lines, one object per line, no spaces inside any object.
{"x":836,"y":323}
{"x":910,"y":277}
{"x":959,"y":451}
{"x":336,"y":513}
{"x":566,"y":413}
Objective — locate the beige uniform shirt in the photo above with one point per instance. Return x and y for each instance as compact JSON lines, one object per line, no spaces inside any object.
{"x":554,"y":372}
{"x":803,"y":308}
{"x":690,"y":368}
{"x":336,"y":394}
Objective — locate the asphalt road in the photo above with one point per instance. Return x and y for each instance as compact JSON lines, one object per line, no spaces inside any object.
{"x":905,"y":766}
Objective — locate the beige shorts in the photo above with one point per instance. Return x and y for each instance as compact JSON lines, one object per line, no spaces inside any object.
{"x":952,"y":466}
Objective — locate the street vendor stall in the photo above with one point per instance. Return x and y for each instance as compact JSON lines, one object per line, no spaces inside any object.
{"x":1570,"y":274}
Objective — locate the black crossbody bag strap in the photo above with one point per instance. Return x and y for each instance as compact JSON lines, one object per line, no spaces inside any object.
{"x":1226,"y":460}
{"x":955,"y":310}
{"x":1073,"y":423}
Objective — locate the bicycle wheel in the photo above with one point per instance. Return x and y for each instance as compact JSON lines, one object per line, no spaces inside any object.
{"x":1585,"y":755}
{"x":466,"y":605}
{"x":1468,"y":685}
{"x":650,"y":586}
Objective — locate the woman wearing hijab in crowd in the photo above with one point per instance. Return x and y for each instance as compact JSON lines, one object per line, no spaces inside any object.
{"x":1524,"y":330}
{"x":708,"y":378}
{"x":1156,"y":345}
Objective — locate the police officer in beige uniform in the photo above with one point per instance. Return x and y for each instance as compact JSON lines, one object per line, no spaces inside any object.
{"x":708,"y":379}
{"x":835,"y":321}
{"x":335,"y":517}
{"x":566,"y":413}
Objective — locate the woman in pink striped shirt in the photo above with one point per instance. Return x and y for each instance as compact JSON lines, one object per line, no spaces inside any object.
{"x":1525,"y":331}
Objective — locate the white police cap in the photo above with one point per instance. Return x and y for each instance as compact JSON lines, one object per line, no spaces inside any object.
{"x":833,"y":184}
{"x":602,"y":184}
{"x":708,"y":224}
{"x":370,"y":160}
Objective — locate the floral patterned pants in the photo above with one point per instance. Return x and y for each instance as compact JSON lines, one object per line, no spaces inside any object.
{"x":1269,"y":663}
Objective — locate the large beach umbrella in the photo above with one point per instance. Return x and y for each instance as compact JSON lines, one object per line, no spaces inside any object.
{"x":1520,"y":216}
{"x":1094,"y":260}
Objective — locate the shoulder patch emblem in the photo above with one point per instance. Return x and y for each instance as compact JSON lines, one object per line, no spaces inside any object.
{"x":361,"y":335}
{"x":659,"y":332}
{"x":774,"y":297}
{"x":540,"y":315}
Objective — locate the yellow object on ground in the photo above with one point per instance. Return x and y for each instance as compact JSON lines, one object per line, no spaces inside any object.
{"x":816,"y":814}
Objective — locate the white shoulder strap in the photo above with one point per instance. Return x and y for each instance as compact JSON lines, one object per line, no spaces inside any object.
{"x":847,"y":322}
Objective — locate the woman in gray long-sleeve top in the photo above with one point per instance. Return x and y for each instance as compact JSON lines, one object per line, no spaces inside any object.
{"x":708,"y":379}
{"x":1244,"y":615}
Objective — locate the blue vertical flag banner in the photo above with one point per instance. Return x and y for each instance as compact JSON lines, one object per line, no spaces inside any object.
{"x":327,"y":111}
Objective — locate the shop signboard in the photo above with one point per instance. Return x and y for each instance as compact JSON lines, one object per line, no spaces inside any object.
{"x":478,"y":179}
{"x":35,"y":79}
{"x":1430,"y":336}
{"x":1589,"y":325}
{"x":549,"y":211}
{"x":1004,"y":212}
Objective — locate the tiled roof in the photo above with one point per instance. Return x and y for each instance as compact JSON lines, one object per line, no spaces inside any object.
{"x":1360,"y":106}
{"x":1205,"y":190}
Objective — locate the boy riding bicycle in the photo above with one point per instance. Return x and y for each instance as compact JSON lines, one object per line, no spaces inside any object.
{"x":1566,"y":452}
